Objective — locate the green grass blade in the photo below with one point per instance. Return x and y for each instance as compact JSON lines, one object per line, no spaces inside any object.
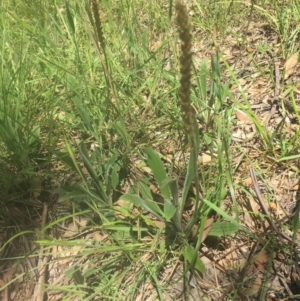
{"x":190,"y":175}
{"x":189,"y":254}
{"x":96,"y":180}
{"x":154,"y":162}
{"x":150,"y":206}
{"x":70,"y":19}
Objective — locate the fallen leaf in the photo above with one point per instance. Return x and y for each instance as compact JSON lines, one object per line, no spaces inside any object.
{"x":98,"y":236}
{"x":254,"y":206}
{"x":205,"y":159}
{"x":123,"y":209}
{"x":250,"y":49}
{"x":156,"y":45}
{"x":232,"y":260}
{"x":7,"y":276}
{"x":260,"y":261}
{"x":254,"y":289}
{"x":159,"y":224}
{"x":289,"y":128}
{"x":248,"y":181}
{"x":239,"y":135}
{"x":227,"y":54}
{"x":290,"y":64}
{"x":242,"y":81}
{"x":72,"y":230}
{"x":241,"y":116}
{"x":261,"y":82}
{"x":81,"y":221}
{"x":2,"y":283}
{"x":207,"y":228}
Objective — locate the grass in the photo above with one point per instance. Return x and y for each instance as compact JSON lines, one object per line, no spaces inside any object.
{"x":144,"y":177}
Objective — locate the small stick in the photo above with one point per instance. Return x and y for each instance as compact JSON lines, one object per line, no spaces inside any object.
{"x":264,"y":208}
{"x":243,"y":272}
{"x":276,"y":94}
{"x":42,"y":265}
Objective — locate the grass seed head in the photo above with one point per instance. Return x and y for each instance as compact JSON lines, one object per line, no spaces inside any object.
{"x":98,"y":24}
{"x":185,"y":70}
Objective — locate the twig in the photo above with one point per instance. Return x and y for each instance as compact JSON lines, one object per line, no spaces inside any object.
{"x":6,"y":294}
{"x":42,"y":264}
{"x":283,"y":282}
{"x":243,"y":272}
{"x":276,"y":94}
{"x":264,"y":208}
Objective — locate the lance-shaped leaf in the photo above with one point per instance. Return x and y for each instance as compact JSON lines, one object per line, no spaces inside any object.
{"x":159,"y":173}
{"x":150,"y":206}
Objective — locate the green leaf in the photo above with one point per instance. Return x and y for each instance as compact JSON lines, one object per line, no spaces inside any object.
{"x":148,"y":205}
{"x":36,"y":186}
{"x":120,"y":128}
{"x":87,"y":164}
{"x":34,"y":135}
{"x":74,"y":194}
{"x":169,"y":210}
{"x":173,"y":187}
{"x":84,"y":115}
{"x":172,"y":183}
{"x":9,"y":135}
{"x":124,"y":228}
{"x":75,"y":273}
{"x":145,"y":191}
{"x":159,"y":173}
{"x":227,"y":217}
{"x":190,"y":255}
{"x":115,"y":176}
{"x":65,"y":158}
{"x":90,"y":272}
{"x":220,"y":229}
{"x":293,"y":157}
{"x":190,"y":175}
{"x":70,"y":18}
{"x":203,"y":80}
{"x":112,"y":169}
